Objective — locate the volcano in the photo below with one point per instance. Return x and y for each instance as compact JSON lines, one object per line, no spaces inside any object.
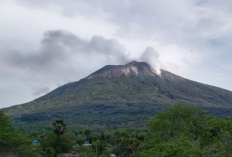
{"x":121,"y":95}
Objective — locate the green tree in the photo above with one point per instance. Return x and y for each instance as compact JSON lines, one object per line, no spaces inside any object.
{"x":4,"y":121}
{"x":16,"y":142}
{"x":99,"y":147}
{"x":189,"y":132}
{"x":59,"y":130}
{"x":127,"y":142}
{"x":52,"y":141}
{"x":50,"y":152}
{"x":87,"y":132}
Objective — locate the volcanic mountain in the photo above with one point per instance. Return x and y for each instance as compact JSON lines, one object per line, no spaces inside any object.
{"x":121,"y":95}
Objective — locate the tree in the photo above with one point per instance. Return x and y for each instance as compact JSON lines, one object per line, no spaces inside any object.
{"x":59,"y":130}
{"x":16,"y":142}
{"x":127,"y":142}
{"x":50,"y":152}
{"x":99,"y":147}
{"x":87,"y":132}
{"x":4,"y":121}
{"x":50,"y":140}
{"x":187,"y":131}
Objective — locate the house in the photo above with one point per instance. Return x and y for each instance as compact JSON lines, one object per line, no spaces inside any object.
{"x":35,"y":142}
{"x":87,"y":143}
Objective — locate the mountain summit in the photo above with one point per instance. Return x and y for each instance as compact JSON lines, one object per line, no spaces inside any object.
{"x":119,"y":92}
{"x":133,"y":68}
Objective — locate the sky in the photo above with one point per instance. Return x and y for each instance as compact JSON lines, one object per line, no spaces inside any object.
{"x":45,"y":44}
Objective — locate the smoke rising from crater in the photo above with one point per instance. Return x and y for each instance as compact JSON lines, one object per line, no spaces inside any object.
{"x":152,"y":57}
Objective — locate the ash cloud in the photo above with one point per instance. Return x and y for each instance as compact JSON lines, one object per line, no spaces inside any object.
{"x":111,"y":48}
{"x":61,"y":51}
{"x":66,"y":57}
{"x":61,"y":46}
{"x":57,"y":46}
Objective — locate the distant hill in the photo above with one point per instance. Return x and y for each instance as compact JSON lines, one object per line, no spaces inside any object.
{"x":119,"y":96}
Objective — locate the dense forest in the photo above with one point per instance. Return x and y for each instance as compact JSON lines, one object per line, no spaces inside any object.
{"x":180,"y":131}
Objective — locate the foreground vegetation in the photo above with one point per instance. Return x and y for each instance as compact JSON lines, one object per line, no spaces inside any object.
{"x":181,"y":131}
{"x":14,"y":142}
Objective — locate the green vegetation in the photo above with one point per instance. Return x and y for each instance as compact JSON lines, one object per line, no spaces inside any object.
{"x":181,"y":131}
{"x":15,"y":142}
{"x":96,"y":117}
{"x":99,"y":110}
{"x":119,"y":101}
{"x":188,"y":131}
{"x":51,"y":146}
{"x":59,"y":130}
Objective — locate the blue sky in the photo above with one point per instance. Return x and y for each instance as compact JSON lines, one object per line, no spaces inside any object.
{"x":47,"y":43}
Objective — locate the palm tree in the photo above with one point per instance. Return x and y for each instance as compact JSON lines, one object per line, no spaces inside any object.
{"x":59,"y":130}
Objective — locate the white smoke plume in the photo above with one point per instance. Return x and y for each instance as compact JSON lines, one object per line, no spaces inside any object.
{"x":152,"y":57}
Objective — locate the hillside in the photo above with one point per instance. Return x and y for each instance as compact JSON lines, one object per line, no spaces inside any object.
{"x":121,"y":95}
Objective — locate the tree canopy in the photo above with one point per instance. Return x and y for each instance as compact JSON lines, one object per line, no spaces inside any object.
{"x":189,"y":132}
{"x":14,"y":142}
{"x":181,"y":131}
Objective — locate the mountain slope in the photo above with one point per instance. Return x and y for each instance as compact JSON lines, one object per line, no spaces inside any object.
{"x":121,"y":91}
